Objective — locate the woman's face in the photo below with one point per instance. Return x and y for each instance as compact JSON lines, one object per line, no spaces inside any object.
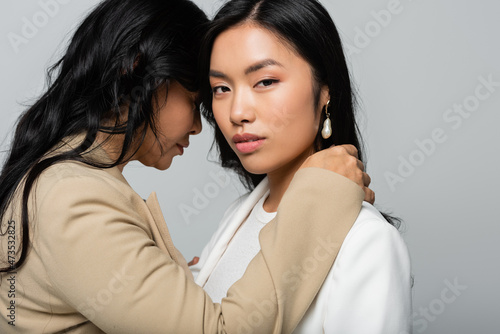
{"x":177,"y":119}
{"x":263,"y":99}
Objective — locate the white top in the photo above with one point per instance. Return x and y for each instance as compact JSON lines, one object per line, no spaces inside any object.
{"x":241,"y":250}
{"x":368,"y":289}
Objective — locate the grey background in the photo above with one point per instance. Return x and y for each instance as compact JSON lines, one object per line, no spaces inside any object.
{"x":409,"y":73}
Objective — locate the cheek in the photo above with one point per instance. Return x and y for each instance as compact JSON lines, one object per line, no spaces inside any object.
{"x":148,"y":143}
{"x":221,"y":117}
{"x":175,"y":126}
{"x":299,"y":132}
{"x":295,"y":119}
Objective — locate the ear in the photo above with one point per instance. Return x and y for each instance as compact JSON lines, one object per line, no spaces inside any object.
{"x":324,"y":96}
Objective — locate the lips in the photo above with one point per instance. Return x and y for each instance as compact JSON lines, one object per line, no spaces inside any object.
{"x":182,"y":147}
{"x":247,"y":143}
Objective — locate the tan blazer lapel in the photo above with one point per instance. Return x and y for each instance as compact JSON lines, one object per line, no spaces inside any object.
{"x":162,"y":235}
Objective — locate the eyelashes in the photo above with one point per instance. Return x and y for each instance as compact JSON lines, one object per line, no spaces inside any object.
{"x":267,"y":82}
{"x":218,"y":90}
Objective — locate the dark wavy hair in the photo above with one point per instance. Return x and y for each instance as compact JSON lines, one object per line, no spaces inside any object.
{"x":122,"y":52}
{"x":306,"y":26}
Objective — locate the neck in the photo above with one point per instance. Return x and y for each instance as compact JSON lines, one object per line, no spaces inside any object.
{"x":112,"y":145}
{"x":280,"y":179}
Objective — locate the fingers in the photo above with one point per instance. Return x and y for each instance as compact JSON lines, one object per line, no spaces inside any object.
{"x":194,"y":261}
{"x":366,"y":180}
{"x":343,"y":160}
{"x":369,"y":195}
{"x":350,"y":149}
{"x":360,"y":165}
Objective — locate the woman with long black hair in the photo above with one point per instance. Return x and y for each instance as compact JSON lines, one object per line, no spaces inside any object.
{"x":82,"y":252}
{"x":277,"y":89}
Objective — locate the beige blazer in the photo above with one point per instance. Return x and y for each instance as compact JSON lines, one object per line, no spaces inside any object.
{"x":102,"y":260}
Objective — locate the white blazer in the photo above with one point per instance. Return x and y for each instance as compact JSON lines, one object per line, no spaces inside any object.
{"x":368,"y":289}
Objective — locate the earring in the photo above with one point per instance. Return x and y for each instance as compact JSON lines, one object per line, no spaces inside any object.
{"x":327,"y":125}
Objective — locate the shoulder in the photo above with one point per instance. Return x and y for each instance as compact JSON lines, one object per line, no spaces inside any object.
{"x":72,"y":197}
{"x":368,"y":289}
{"x":374,"y":243}
{"x":372,"y":225}
{"x":68,"y":188}
{"x":78,"y":170}
{"x":78,"y":177}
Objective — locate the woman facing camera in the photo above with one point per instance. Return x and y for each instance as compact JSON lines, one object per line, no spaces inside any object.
{"x":278,"y":90}
{"x":81,"y":252}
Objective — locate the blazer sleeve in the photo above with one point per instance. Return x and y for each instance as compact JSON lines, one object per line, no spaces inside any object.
{"x":370,"y":287}
{"x":101,"y":259}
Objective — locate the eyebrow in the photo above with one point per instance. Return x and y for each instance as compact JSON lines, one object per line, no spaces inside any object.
{"x":252,"y":68}
{"x":261,"y":65}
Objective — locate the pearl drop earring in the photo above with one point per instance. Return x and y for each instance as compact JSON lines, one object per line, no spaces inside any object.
{"x":327,"y":125}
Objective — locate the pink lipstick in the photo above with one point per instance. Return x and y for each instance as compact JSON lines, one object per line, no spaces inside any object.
{"x":247,"y":143}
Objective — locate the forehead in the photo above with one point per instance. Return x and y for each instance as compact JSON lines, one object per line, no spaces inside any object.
{"x":249,"y":43}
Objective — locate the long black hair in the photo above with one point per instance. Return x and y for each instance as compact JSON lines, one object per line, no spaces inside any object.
{"x":122,"y":52}
{"x":307,"y":27}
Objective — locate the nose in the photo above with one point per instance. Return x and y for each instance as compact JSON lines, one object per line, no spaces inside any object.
{"x":241,"y":109}
{"x":196,"y":128}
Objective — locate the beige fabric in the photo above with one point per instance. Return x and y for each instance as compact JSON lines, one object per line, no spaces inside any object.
{"x":102,"y":260}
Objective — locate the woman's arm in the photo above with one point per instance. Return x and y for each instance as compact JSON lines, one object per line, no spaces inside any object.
{"x":93,"y":244}
{"x":298,"y":249}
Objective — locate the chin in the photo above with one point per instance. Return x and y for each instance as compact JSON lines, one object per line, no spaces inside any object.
{"x":161,"y":164}
{"x":164,"y":165}
{"x":255,"y":167}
